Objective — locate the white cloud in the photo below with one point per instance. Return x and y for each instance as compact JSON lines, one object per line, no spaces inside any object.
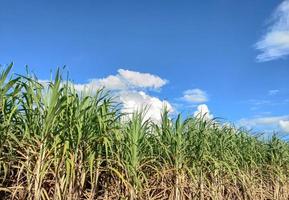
{"x":111,"y":83}
{"x":128,"y":86}
{"x":275,"y":43}
{"x":124,"y":80}
{"x":141,"y":80}
{"x":195,"y":96}
{"x":203,"y":112}
{"x":139,"y":100}
{"x":284,"y":124}
{"x":273,"y":92}
{"x":280,"y":123}
{"x":43,"y":82}
{"x":262,"y":121}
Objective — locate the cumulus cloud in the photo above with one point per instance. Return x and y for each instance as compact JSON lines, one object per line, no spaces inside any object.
{"x":141,"y":80}
{"x":195,"y":96}
{"x":275,"y":43}
{"x":139,"y":100}
{"x":272,"y":122}
{"x":284,"y":124}
{"x":111,"y":83}
{"x":129,"y":86}
{"x":124,"y":80}
{"x":203,"y":112}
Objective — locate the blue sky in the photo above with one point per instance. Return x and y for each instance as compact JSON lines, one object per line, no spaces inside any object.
{"x":227,"y":57}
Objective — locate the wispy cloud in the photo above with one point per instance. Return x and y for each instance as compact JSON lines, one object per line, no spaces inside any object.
{"x":273,"y":92}
{"x":259,"y":102}
{"x":280,"y":123}
{"x":275,"y":43}
{"x":195,"y":96}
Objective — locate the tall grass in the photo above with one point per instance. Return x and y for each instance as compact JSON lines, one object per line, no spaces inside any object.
{"x":56,"y":143}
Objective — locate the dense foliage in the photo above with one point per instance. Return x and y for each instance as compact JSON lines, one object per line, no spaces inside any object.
{"x":58,"y":144}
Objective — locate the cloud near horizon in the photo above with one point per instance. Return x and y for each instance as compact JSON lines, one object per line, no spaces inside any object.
{"x":132,"y":88}
{"x":280,"y":123}
{"x":140,"y":101}
{"x":275,"y":43}
{"x":203,"y":112}
{"x":129,"y":86}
